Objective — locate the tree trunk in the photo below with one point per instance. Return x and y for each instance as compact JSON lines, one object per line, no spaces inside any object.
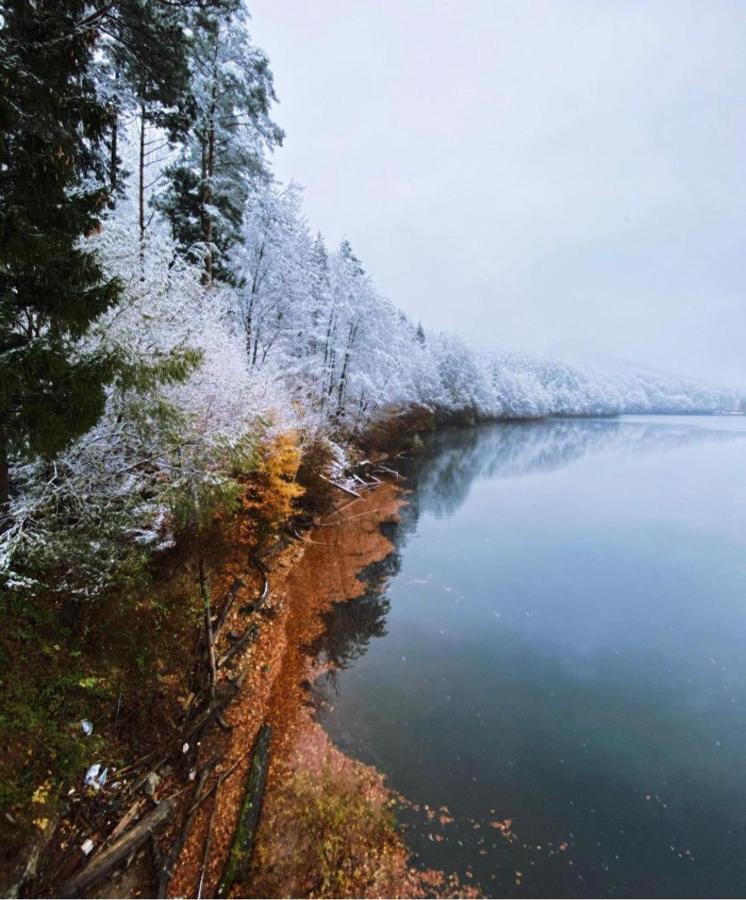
{"x":207,"y":614}
{"x":4,"y":477}
{"x":345,"y":365}
{"x":208,"y":168}
{"x":113,"y":155}
{"x":114,"y":159}
{"x":141,"y":165}
{"x":141,"y":186}
{"x":208,"y":197}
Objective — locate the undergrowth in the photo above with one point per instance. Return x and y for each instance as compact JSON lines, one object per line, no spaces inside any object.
{"x":120,"y":659}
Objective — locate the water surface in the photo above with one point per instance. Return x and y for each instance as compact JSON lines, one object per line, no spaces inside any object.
{"x":559,"y":639}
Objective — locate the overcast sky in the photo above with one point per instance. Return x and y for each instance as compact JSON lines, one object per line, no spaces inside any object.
{"x":559,"y":176}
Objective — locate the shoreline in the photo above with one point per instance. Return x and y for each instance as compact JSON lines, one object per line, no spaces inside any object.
{"x":316,"y":796}
{"x":306,"y":582}
{"x":274,"y":691}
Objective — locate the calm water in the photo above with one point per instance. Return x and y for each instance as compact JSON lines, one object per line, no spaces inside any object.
{"x":559,"y":639}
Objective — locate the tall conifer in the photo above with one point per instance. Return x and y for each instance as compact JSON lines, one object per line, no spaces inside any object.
{"x":52,"y":124}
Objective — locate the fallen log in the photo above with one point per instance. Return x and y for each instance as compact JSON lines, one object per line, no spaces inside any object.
{"x":239,"y":859}
{"x":106,"y":861}
{"x":341,"y":487}
{"x":132,"y":813}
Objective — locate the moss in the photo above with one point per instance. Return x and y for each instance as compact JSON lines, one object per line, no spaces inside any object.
{"x":239,"y":859}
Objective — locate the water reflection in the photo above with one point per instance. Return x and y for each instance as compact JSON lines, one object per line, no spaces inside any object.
{"x":441,"y":475}
{"x":557,"y":638}
{"x":452,"y":460}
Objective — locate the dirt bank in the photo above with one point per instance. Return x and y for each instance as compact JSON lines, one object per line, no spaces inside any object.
{"x":327,"y":827}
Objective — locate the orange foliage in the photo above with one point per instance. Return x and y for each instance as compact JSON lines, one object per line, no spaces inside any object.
{"x":270,"y":492}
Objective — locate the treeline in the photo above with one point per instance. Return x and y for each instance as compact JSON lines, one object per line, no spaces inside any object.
{"x":164,"y":301}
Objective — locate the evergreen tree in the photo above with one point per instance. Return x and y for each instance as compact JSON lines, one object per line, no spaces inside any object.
{"x":232,"y":91}
{"x":52,"y":124}
{"x":146,"y":74}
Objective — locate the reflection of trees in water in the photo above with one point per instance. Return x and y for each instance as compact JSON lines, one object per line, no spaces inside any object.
{"x":441,"y":477}
{"x":443,"y":474}
{"x":349,"y":626}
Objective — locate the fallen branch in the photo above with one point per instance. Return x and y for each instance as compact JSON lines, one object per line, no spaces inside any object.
{"x":344,"y":521}
{"x":224,"y":777}
{"x":341,"y":487}
{"x":307,"y":540}
{"x":208,"y":841}
{"x":227,"y":606}
{"x":238,"y":646}
{"x":215,"y":707}
{"x":393,"y":472}
{"x":136,"y":785}
{"x":214,"y":789}
{"x":237,"y":866}
{"x":259,"y":602}
{"x":137,"y":763}
{"x":173,"y":854}
{"x":362,"y":481}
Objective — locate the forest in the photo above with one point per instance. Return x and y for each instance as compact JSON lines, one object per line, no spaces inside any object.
{"x":184,"y":361}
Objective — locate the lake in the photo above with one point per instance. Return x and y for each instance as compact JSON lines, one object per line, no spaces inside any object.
{"x":554,"y":657}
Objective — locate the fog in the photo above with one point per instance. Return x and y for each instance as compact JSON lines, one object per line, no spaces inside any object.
{"x":559,"y":177}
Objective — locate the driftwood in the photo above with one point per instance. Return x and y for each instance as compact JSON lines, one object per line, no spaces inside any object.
{"x":389,"y":471}
{"x":341,"y":487}
{"x":106,"y":861}
{"x":239,"y":859}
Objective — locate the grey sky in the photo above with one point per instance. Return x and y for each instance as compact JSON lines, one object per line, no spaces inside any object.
{"x":562,"y":176}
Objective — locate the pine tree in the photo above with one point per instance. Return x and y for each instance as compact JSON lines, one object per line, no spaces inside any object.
{"x":51,"y":129}
{"x":146,"y":75}
{"x":232,"y":91}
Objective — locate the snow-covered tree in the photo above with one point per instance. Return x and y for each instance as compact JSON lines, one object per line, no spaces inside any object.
{"x":230,"y":132}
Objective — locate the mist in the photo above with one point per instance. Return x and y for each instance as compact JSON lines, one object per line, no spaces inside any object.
{"x":555,"y":177}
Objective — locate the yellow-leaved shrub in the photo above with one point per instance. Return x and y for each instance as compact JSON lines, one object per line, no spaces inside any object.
{"x":269,"y":494}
